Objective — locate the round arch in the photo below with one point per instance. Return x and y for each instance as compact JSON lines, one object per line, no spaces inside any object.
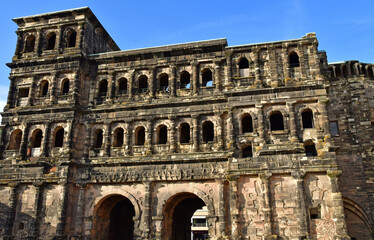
{"x":356,"y":219}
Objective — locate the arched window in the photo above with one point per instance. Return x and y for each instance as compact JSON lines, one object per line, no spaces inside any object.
{"x":118,"y":137}
{"x":185,"y":80}
{"x":140,"y":136}
{"x":59,"y":137}
{"x":30,"y":43}
{"x":51,"y":41}
{"x":184,"y":133}
{"x":65,"y":87}
{"x":353,"y":68}
{"x":71,"y":38}
{"x":164,"y":82}
{"x":44,"y":85}
{"x":247,"y":124}
{"x":122,"y":86}
{"x":307,"y":117}
{"x":370,"y":72}
{"x":345,"y":71}
{"x":244,"y":67}
{"x":338,"y":72}
{"x":293,"y":59}
{"x":103,"y":88}
{"x":207,"y":78}
{"x":143,"y":84}
{"x":162,"y":135}
{"x":247,"y":151}
{"x":276,"y":121}
{"x":15,"y":140}
{"x":98,"y":138}
{"x":310,"y":148}
{"x":208,"y":132}
{"x":36,"y":138}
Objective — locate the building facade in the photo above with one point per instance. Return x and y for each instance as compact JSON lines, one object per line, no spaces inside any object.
{"x":99,"y":143}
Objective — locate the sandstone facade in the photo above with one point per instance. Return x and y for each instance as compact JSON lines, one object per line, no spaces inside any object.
{"x":99,"y":143}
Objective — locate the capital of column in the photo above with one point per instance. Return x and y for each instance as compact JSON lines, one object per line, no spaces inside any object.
{"x":298,"y":175}
{"x":334,"y":173}
{"x":265,"y":176}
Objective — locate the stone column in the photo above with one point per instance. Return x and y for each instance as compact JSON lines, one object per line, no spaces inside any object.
{"x":300,"y":49}
{"x":111,"y":85}
{"x":293,"y":126}
{"x":337,"y":205}
{"x":219,"y":131}
{"x":151,"y":81}
{"x":25,"y":141}
{"x":217,"y":76}
{"x":87,"y":141}
{"x":234,"y":210}
{"x":52,"y":92}
{"x":173,"y":80}
{"x":36,"y":209}
{"x":61,"y":214}
{"x":128,"y":139}
{"x":46,"y":140}
{"x":322,"y":103}
{"x":38,"y":40}
{"x":149,"y":132}
{"x":266,"y":204}
{"x":173,"y":144}
{"x":195,"y":77}
{"x":221,"y":208}
{"x":301,"y":209}
{"x":273,"y":64}
{"x":231,"y":138}
{"x":32,"y":91}
{"x":261,"y":123}
{"x":80,"y":34}
{"x":59,"y":39}
{"x":80,"y":210}
{"x":316,"y":58}
{"x":131,"y":84}
{"x":257,"y":67}
{"x":147,"y":207}
{"x":228,"y":82}
{"x":285,"y":62}
{"x":12,"y":95}
{"x":70,"y":134}
{"x":195,"y":132}
{"x":74,"y":88}
{"x":20,"y":44}
{"x":107,"y":140}
{"x":8,"y":227}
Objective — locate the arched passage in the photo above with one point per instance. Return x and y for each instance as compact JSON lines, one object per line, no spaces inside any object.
{"x":358,"y":226}
{"x":177,"y":213}
{"x":114,"y":219}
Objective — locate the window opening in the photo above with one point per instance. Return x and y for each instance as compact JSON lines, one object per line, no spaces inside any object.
{"x":103,"y":88}
{"x":30,"y":43}
{"x":276,"y":121}
{"x":37,"y":139}
{"x":44,"y":89}
{"x":315,"y":213}
{"x":143,"y":84}
{"x":72,"y":38}
{"x":65,"y":87}
{"x":164,"y":82}
{"x":345,"y":71}
{"x":23,"y":92}
{"x":122,"y":86}
{"x":293,"y":60}
{"x":244,"y":67}
{"x":338,"y":72}
{"x":370,"y":72}
{"x":184,"y":133}
{"x":208,"y":131}
{"x":310,"y":148}
{"x":334,"y":128}
{"x":207,"y":78}
{"x":98,"y":140}
{"x":59,"y":138}
{"x":185,"y":79}
{"x":140,"y":136}
{"x":247,"y":125}
{"x":15,"y":140}
{"x":247,"y":152}
{"x":51,"y":41}
{"x":162,"y":135}
{"x":118,"y":137}
{"x":307,"y":117}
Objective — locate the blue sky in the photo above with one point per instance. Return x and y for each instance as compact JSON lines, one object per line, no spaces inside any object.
{"x":345,"y":29}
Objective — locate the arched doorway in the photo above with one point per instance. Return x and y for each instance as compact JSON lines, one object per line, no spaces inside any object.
{"x":177,"y":212}
{"x":114,"y":219}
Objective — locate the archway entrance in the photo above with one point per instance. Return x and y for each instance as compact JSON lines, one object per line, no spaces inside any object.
{"x":114,"y":219}
{"x":177,"y":212}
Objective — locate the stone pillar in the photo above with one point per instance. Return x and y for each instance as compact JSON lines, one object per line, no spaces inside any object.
{"x":173,"y":80}
{"x":195,"y":77}
{"x":131,"y":84}
{"x":46,"y":140}
{"x":219,"y":131}
{"x":316,"y":58}
{"x":149,"y":132}
{"x":300,"y":49}
{"x":151,"y":81}
{"x":36,"y":209}
{"x":221,"y":208}
{"x":228,"y":82}
{"x":25,"y":141}
{"x":173,"y":143}
{"x":322,"y":103}
{"x":20,"y":44}
{"x":107,"y":140}
{"x":257,"y":67}
{"x":231,"y":138}
{"x":128,"y":139}
{"x":12,"y":95}
{"x":195,"y":133}
{"x":61,"y":214}
{"x":80,"y":34}
{"x":234,"y":210}
{"x":38,"y":40}
{"x":266,"y":203}
{"x":80,"y":210}
{"x":59,"y":39}
{"x":8,"y":227}
{"x":285,"y":62}
{"x":337,"y":205}
{"x":261,"y":123}
{"x":217,"y":76}
{"x":87,"y":141}
{"x":74,"y":88}
{"x":52,"y":92}
{"x":32,"y":91}
{"x":273,"y":64}
{"x":293,"y":126}
{"x":147,"y":208}
{"x":111,"y":85}
{"x":302,"y":214}
{"x":70,"y":134}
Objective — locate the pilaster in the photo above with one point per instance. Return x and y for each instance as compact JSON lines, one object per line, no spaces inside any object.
{"x":293,"y":126}
{"x":36,"y":208}
{"x":266,"y":203}
{"x":173,"y":144}
{"x":217,"y":76}
{"x":8,"y":231}
{"x":195,"y":132}
{"x":172,"y":81}
{"x":149,"y":136}
{"x":62,"y":210}
{"x":302,"y":214}
{"x":195,"y":77}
